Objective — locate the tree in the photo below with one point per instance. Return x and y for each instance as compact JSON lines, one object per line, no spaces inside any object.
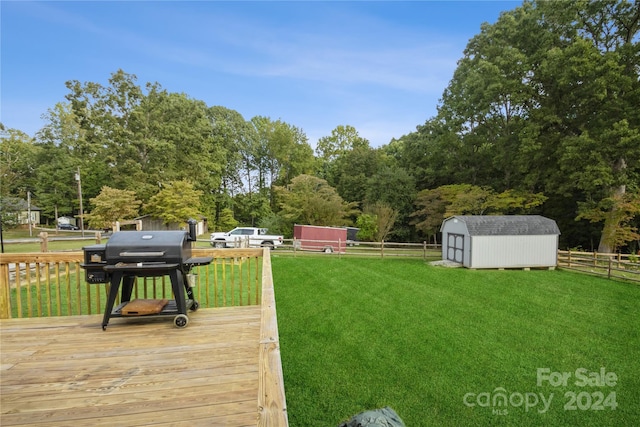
{"x":384,"y":217}
{"x":18,"y":163}
{"x":58,"y":163}
{"x":344,"y":138}
{"x":146,"y":137}
{"x":352,"y":169}
{"x":177,"y":202}
{"x":465,"y":199}
{"x":225,"y":221}
{"x":619,"y":211}
{"x":431,"y":210}
{"x":281,"y":152}
{"x":367,"y":227}
{"x":234,"y":135}
{"x":10,"y":209}
{"x":544,"y":100}
{"x":112,"y":205}
{"x":310,"y":200}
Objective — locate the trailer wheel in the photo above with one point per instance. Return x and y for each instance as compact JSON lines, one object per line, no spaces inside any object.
{"x":267,"y":245}
{"x":181,"y":321}
{"x":328,"y":250}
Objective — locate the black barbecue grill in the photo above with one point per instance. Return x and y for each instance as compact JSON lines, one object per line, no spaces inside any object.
{"x":131,"y":254}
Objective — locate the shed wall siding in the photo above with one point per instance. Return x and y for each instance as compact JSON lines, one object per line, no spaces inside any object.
{"x":513,"y":251}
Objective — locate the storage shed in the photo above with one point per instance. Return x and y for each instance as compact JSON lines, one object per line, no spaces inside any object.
{"x":501,"y":241}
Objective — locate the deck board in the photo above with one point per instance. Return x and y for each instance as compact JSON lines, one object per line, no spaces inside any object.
{"x":63,"y":371}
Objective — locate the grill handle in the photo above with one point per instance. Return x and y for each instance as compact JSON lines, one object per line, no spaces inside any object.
{"x":142,"y":254}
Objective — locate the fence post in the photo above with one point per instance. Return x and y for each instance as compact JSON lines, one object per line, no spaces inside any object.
{"x":382,"y":249}
{"x":44,"y":240}
{"x":609,"y":269}
{"x":424,"y":250}
{"x":98,"y":237}
{"x":595,"y":259}
{"x":569,"y":258}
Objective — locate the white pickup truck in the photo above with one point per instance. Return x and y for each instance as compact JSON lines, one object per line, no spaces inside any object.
{"x":242,"y":236}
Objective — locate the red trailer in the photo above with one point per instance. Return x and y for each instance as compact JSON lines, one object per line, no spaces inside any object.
{"x":317,"y":238}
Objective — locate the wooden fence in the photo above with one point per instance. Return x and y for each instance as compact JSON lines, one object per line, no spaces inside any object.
{"x":613,"y":266}
{"x":53,"y":283}
{"x":382,"y":249}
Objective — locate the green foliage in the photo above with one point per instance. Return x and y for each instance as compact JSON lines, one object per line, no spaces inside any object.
{"x":177,"y":202}
{"x":343,"y":139}
{"x":617,"y":213}
{"x":112,"y":205}
{"x":385,"y":218}
{"x":225,"y":221}
{"x":18,"y":163}
{"x":250,"y":208}
{"x":543,"y":101}
{"x":310,"y":200}
{"x":276,"y":225}
{"x":10,"y":208}
{"x":464,"y":199}
{"x":368,"y":228}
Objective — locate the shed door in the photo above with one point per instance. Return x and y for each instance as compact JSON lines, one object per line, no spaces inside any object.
{"x":455,"y":247}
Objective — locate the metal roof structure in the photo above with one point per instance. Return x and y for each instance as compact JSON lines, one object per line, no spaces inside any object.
{"x":507,"y":225}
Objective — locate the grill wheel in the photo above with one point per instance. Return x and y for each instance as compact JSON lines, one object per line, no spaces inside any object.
{"x":181,"y":321}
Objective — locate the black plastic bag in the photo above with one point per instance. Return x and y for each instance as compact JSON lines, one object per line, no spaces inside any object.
{"x":384,"y":417}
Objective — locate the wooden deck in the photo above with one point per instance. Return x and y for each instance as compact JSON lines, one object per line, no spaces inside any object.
{"x":67,"y":371}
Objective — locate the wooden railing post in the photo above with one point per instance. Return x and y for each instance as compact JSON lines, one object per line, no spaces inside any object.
{"x":44,"y":240}
{"x":5,"y":310}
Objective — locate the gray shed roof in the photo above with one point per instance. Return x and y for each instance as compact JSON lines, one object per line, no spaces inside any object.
{"x":507,"y":225}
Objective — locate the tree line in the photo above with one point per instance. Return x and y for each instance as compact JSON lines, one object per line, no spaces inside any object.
{"x":541,"y":116}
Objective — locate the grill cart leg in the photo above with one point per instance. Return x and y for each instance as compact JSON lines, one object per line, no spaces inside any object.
{"x":127,"y":287}
{"x":177,"y":283}
{"x":113,"y":294}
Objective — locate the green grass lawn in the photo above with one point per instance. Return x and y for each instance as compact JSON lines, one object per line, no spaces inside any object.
{"x":358,"y":334}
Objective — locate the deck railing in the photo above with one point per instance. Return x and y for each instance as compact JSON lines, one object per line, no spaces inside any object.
{"x":53,"y":283}
{"x":46,"y":284}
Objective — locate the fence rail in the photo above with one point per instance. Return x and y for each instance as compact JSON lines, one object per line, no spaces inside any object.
{"x":382,"y":249}
{"x":53,"y":283}
{"x":619,"y":266}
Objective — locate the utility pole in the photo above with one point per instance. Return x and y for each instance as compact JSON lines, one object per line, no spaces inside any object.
{"x":29,"y":212}
{"x":80,"y":197}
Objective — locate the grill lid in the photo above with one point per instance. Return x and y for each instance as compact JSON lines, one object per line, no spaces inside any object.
{"x":148,"y":246}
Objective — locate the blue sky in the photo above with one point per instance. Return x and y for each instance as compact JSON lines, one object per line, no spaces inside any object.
{"x":378,"y":66}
